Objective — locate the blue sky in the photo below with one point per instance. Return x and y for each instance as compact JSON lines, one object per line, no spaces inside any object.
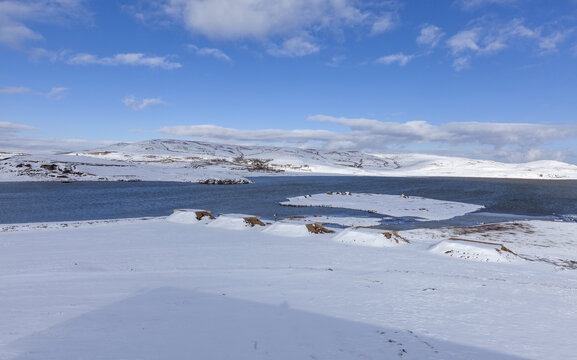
{"x":493,"y":79}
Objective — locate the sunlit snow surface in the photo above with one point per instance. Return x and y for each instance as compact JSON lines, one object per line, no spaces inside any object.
{"x":179,"y":288}
{"x":392,"y":205}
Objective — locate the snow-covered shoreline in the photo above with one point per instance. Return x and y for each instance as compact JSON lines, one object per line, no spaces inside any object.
{"x":178,"y":288}
{"x":193,"y":161}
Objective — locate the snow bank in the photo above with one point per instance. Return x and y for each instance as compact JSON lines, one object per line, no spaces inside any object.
{"x":370,"y":237}
{"x":474,"y":250}
{"x":392,"y":205}
{"x":190,"y":216}
{"x":236,"y":222}
{"x":287,"y":229}
{"x":539,"y":241}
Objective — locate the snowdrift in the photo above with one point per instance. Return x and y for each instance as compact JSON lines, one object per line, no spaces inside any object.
{"x":370,"y":237}
{"x":190,"y":216}
{"x":474,"y":250}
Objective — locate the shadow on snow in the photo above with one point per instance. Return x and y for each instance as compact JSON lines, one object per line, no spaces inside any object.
{"x":172,"y":323}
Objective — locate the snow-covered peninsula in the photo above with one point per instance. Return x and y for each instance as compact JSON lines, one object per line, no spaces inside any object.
{"x":193,"y":161}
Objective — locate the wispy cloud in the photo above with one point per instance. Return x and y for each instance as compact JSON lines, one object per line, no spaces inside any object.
{"x":15,"y":90}
{"x":294,"y":47}
{"x":54,"y":93}
{"x":475,"y":4}
{"x":430,"y":35}
{"x":133,"y":59}
{"x":9,"y":127}
{"x":13,"y":139}
{"x":399,"y":59}
{"x":137,"y":105}
{"x":490,"y":37}
{"x":218,"y":133}
{"x":384,"y":23}
{"x":204,"y":51}
{"x":17,"y":17}
{"x":336,"y":61}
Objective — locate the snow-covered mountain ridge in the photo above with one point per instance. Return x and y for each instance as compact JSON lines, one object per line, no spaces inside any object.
{"x":194,"y":161}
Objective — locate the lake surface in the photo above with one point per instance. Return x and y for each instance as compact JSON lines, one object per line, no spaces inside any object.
{"x":504,"y":199}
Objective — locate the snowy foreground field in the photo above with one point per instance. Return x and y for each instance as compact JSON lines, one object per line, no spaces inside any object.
{"x":180,"y":288}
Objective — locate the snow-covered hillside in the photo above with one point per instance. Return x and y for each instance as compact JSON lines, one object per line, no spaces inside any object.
{"x":193,"y":161}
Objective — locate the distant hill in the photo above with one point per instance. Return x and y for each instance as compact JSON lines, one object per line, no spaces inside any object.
{"x":194,"y":161}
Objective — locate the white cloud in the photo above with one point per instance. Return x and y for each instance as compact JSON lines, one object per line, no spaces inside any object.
{"x":430,"y":35}
{"x":385,"y":23}
{"x":474,"y":4}
{"x":465,"y":40}
{"x":133,"y":103}
{"x":12,"y":141}
{"x":495,"y":134}
{"x":294,"y":47}
{"x":216,"y":53}
{"x":16,"y":17}
{"x":549,"y":42}
{"x":9,"y":127}
{"x":261,"y":19}
{"x":505,"y":141}
{"x":56,"y":93}
{"x":134,"y":59}
{"x":461,"y":63}
{"x":295,"y":27}
{"x":490,"y":37}
{"x":214,"y":132}
{"x":14,"y":90}
{"x":336,"y":61}
{"x":400,"y":59}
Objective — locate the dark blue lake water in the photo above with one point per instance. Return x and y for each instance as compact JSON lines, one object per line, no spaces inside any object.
{"x":503,"y":199}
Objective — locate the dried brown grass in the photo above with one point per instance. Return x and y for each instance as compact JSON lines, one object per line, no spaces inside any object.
{"x":318,"y":228}
{"x":253,"y":220}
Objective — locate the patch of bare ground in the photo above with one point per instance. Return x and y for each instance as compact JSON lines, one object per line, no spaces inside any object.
{"x":318,"y":228}
{"x":203,"y":213}
{"x":393,"y":234}
{"x":389,"y":234}
{"x":253,"y":220}
{"x":100,"y":153}
{"x":488,"y":229}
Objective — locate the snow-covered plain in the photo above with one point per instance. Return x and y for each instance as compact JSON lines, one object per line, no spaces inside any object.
{"x":178,"y":288}
{"x":193,"y":161}
{"x":392,"y":205}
